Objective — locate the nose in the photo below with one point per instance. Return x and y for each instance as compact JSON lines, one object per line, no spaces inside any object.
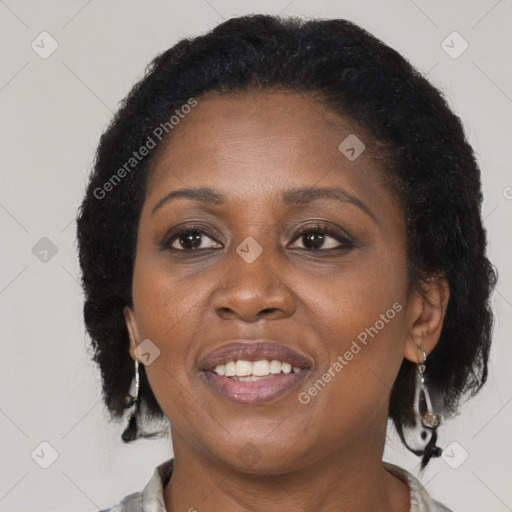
{"x":251,"y":291}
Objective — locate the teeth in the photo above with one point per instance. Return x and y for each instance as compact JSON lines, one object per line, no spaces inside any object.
{"x":229,"y":369}
{"x":243,"y":368}
{"x":275,"y":366}
{"x":251,"y":378}
{"x":249,"y":371}
{"x":286,"y":367}
{"x":260,"y":368}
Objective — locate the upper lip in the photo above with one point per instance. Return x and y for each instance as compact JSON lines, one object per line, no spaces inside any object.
{"x":253,"y":350}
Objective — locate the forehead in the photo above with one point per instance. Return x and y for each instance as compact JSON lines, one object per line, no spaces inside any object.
{"x":262,"y":141}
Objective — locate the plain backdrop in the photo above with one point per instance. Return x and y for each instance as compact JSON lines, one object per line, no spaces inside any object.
{"x":53,"y":112}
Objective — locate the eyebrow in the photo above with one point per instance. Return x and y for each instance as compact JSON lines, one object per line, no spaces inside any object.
{"x":293,"y":197}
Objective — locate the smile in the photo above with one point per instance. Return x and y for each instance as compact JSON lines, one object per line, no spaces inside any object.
{"x":253,"y":389}
{"x":254,"y":371}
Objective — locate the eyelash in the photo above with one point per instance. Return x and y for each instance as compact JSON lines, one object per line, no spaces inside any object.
{"x":346,"y":241}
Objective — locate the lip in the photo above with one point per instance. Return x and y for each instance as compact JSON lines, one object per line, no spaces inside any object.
{"x":253,"y":350}
{"x":254,"y":392}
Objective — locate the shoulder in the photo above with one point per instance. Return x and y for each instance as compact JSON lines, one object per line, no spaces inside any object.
{"x":151,"y":497}
{"x":421,"y":501}
{"x":130,"y":503}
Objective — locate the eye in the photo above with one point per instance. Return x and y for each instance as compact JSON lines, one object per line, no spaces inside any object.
{"x":320,"y":237}
{"x":314,"y":238}
{"x":191,"y":238}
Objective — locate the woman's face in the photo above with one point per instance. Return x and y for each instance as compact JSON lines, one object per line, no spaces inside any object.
{"x":264,"y":271}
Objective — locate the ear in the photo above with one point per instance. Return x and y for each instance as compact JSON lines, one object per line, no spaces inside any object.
{"x":426,"y":312}
{"x":133,"y":330}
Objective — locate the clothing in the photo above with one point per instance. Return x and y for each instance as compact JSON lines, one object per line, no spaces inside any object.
{"x":151,"y":499}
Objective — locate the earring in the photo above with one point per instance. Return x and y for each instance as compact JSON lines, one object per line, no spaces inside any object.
{"x":425,"y":420}
{"x":130,"y":433}
{"x":428,"y":419}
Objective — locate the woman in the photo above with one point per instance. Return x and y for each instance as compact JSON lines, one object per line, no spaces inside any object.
{"x":283,"y":226}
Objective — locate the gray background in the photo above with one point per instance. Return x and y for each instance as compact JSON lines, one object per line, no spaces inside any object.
{"x":53,"y":112}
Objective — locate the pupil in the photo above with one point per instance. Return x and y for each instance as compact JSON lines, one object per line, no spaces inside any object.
{"x":315,"y":239}
{"x":191,"y":241}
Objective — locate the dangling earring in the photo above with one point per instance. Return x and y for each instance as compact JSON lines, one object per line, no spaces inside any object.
{"x":130,"y":433}
{"x":423,"y":410}
{"x":426,"y":421}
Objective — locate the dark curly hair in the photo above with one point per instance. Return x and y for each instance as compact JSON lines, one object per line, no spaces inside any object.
{"x":429,"y":166}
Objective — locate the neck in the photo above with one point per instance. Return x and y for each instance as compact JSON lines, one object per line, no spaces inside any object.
{"x":351,"y":478}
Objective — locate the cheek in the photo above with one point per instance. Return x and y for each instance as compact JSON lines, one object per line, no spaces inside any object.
{"x":350,"y":300}
{"x":164,"y":305}
{"x":166,"y":315}
{"x":360,"y":318}
{"x":351,"y":391}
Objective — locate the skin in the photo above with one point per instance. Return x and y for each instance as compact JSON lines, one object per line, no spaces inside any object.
{"x":324,"y":455}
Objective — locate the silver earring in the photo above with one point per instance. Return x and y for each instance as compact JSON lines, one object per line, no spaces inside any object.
{"x":429,"y":419}
{"x":422,"y":436}
{"x":130,"y":433}
{"x":426,"y":419}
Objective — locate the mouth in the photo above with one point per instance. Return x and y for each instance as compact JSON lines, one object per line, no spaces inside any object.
{"x":254,"y":371}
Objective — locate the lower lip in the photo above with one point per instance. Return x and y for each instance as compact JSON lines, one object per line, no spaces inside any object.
{"x":257,"y":391}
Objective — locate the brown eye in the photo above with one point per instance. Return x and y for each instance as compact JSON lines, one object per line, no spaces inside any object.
{"x":323,"y":238}
{"x":191,"y":239}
